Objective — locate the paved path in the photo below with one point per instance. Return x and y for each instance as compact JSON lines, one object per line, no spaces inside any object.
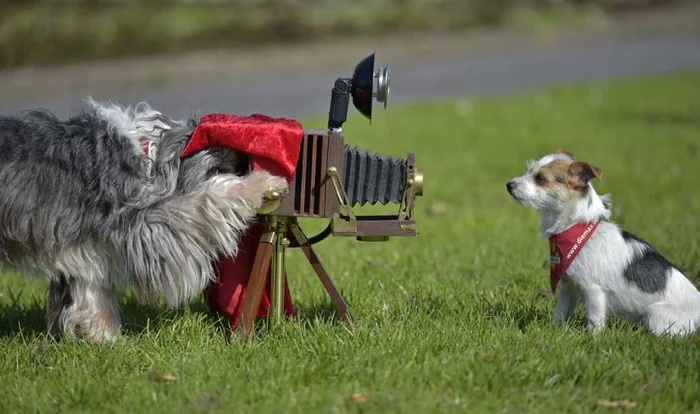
{"x":296,"y":81}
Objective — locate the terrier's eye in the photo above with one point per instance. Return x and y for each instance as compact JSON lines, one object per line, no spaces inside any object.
{"x":539,"y":178}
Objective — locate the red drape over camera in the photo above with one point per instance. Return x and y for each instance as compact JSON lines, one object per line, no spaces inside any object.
{"x":273,"y":145}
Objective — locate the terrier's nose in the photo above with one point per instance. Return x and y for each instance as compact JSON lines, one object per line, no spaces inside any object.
{"x":509,"y":187}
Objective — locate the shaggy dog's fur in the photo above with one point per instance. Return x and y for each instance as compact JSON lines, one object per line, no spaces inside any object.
{"x":81,"y":204}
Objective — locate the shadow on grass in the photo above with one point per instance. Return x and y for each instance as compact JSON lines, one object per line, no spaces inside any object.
{"x":319,"y":310}
{"x":26,"y":316}
{"x":138,"y":319}
{"x":22,"y":316}
{"x":516,"y":310}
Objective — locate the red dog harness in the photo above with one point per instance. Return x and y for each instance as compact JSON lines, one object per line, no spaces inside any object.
{"x":564,"y":247}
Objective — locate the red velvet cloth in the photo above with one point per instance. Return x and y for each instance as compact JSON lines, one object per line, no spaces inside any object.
{"x":273,"y":145}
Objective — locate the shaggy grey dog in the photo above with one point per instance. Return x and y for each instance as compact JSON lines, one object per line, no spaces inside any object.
{"x":83,"y":204}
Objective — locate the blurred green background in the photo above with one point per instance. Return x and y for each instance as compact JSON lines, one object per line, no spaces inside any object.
{"x":49,"y":32}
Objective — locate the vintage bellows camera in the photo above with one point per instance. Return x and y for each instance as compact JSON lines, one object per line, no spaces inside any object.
{"x":331,"y":178}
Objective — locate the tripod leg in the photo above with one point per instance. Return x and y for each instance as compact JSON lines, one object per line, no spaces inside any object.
{"x":328,"y":284}
{"x":277,"y":276}
{"x":257,"y":282}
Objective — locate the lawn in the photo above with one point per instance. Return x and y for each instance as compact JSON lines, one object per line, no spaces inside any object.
{"x":452,"y":320}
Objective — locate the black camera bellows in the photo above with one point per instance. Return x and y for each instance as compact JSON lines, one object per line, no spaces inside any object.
{"x":373,"y":178}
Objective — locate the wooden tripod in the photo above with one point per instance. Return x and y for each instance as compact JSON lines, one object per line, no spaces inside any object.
{"x":271,"y":252}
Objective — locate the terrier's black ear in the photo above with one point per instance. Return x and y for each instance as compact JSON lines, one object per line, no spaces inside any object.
{"x":565,"y":152}
{"x":581,"y":173}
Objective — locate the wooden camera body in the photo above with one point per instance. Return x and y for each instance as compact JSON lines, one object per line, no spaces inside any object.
{"x":331,"y":177}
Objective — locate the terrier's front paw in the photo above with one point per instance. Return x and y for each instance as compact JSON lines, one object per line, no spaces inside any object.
{"x":558,"y":318}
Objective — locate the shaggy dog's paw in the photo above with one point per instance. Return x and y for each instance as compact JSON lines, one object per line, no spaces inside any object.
{"x":258,"y":189}
{"x":279,"y":185}
{"x":264,"y":182}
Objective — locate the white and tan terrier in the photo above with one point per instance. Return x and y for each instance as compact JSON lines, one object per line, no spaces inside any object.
{"x":610,"y":271}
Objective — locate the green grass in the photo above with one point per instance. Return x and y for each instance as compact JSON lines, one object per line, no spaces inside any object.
{"x":448,"y":321}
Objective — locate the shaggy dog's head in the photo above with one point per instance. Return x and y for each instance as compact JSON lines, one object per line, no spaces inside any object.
{"x":162,"y":140}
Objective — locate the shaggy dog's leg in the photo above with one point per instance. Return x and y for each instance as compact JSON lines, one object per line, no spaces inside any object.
{"x":83,"y":310}
{"x":59,"y":299}
{"x":171,"y":247}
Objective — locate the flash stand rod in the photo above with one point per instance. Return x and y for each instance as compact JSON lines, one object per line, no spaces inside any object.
{"x":340,"y":100}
